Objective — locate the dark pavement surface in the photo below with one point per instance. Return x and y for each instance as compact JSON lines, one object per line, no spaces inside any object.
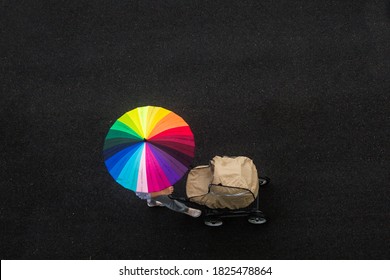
{"x":302,"y":87}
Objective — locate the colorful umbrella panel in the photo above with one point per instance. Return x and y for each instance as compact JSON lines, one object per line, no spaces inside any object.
{"x":148,"y":149}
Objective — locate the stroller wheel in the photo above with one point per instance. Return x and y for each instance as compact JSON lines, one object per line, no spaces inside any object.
{"x":264,"y":181}
{"x":257,"y":218}
{"x":213,"y":222}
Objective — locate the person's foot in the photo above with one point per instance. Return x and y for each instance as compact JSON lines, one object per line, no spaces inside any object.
{"x":193,"y":212}
{"x":155,"y":203}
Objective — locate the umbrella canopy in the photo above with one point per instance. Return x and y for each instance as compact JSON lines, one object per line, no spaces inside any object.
{"x":148,"y":149}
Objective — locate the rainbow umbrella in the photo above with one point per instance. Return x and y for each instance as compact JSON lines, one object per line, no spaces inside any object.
{"x":148,"y":149}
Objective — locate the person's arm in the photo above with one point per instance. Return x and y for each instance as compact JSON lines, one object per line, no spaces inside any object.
{"x":166,"y":191}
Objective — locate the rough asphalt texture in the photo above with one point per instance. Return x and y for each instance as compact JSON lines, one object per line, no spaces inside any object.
{"x":302,"y":87}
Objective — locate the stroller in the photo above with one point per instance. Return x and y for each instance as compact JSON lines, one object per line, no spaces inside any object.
{"x":228,"y":187}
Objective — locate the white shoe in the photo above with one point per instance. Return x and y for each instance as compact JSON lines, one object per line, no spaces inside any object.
{"x":155,"y":203}
{"x":193,"y":212}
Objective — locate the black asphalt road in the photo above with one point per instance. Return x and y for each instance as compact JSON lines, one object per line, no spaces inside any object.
{"x":302,"y":87}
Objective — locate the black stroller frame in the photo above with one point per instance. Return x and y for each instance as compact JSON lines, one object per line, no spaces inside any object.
{"x":213,"y":217}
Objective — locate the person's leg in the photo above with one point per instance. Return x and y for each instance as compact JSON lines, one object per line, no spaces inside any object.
{"x":177,"y":206}
{"x":153,"y":203}
{"x":171,"y":203}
